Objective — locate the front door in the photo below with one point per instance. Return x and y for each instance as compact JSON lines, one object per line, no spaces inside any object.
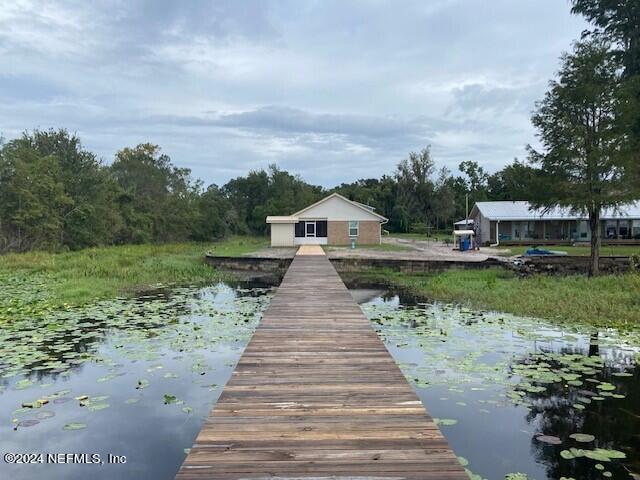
{"x":310,"y":229}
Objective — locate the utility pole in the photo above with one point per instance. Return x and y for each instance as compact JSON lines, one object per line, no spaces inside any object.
{"x":466,"y":218}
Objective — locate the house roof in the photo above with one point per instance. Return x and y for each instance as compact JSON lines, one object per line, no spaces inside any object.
{"x":523,"y":211}
{"x":361,"y":206}
{"x":368,"y":207}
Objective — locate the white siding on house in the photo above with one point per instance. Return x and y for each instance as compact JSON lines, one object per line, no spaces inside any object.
{"x":282,"y":234}
{"x":336,"y":208}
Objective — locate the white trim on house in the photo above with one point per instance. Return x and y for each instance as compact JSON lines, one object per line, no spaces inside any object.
{"x":356,"y":227}
{"x":282,"y":219}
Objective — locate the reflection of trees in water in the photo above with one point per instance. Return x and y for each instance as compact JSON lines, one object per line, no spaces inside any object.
{"x":614,"y":422}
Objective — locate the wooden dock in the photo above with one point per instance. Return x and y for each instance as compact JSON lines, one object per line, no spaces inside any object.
{"x":317,"y":395}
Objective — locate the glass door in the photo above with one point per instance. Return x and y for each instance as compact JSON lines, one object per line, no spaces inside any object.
{"x":310,"y":229}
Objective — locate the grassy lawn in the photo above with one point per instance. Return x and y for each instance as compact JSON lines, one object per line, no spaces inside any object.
{"x":37,"y":281}
{"x":607,"y":300}
{"x":625,"y":250}
{"x":236,"y":246}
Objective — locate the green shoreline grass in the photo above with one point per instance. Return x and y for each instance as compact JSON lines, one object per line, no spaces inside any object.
{"x":609,"y":300}
{"x":605,"y":250}
{"x":36,"y":282}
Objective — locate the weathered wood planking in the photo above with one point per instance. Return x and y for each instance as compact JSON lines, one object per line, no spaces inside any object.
{"x":316,"y":394}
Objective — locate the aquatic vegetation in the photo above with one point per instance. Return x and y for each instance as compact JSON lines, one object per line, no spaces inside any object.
{"x":37,"y":283}
{"x":74,"y":426}
{"x":564,"y":389}
{"x":605,"y":301}
{"x":582,"y":437}
{"x":139,"y":329}
{"x":103,"y":369}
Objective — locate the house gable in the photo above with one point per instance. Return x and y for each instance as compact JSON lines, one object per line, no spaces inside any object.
{"x":335,"y":207}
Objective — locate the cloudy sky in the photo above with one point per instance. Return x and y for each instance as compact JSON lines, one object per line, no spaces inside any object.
{"x":332,"y":90}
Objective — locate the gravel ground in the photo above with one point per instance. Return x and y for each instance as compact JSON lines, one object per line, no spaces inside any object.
{"x":416,"y":250}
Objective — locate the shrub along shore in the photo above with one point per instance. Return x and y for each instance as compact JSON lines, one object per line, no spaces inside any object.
{"x":34,"y":283}
{"x":607,"y":300}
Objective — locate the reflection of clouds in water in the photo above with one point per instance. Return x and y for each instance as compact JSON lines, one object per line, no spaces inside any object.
{"x":195,"y":334}
{"x":505,"y":378}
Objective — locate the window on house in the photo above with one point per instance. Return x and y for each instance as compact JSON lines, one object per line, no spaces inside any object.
{"x":321,"y":228}
{"x":353,"y":229}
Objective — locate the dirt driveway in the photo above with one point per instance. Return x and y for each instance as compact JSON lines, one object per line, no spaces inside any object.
{"x":392,"y":248}
{"x":411,"y":249}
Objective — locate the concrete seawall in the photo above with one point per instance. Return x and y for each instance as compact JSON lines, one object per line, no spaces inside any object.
{"x":561,"y":265}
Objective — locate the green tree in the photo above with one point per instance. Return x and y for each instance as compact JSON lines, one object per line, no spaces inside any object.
{"x":414,"y":189}
{"x":444,"y":200}
{"x":216,"y":217}
{"x":476,"y":180}
{"x":378,"y":193}
{"x":517,"y":181}
{"x":32,"y":198}
{"x":581,"y":161}
{"x":273,"y":192}
{"x":248,"y":193}
{"x":91,"y":216}
{"x":618,"y":21}
{"x":158,"y":201}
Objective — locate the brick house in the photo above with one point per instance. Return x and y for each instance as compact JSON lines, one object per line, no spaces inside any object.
{"x":334,"y":220}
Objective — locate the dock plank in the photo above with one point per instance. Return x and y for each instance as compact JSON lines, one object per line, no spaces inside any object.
{"x":317,"y":395}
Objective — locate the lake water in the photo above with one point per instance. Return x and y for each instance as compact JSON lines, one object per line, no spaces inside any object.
{"x":136,"y":378}
{"x":151,"y":368}
{"x":510,"y":392}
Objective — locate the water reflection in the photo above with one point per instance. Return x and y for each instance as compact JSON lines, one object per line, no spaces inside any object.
{"x":498,"y":383}
{"x":110,"y":367}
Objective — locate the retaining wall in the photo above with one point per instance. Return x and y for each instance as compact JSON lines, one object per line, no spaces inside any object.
{"x":560,"y":265}
{"x":567,"y":265}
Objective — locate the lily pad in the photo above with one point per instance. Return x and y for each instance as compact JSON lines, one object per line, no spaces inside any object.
{"x":603,"y":455}
{"x":550,"y":439}
{"x":582,"y":437}
{"x":30,"y":422}
{"x":94,"y":407}
{"x":445,"y":421}
{"x":45,"y":414}
{"x":74,"y":426}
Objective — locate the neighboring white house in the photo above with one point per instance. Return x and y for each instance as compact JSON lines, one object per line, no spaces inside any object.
{"x":334,"y":220}
{"x":517,"y":222}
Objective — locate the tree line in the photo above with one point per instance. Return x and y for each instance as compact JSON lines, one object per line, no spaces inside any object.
{"x":55,"y":194}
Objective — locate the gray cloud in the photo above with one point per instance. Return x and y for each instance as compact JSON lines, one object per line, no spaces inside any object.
{"x":286,"y":119}
{"x":332,"y":90}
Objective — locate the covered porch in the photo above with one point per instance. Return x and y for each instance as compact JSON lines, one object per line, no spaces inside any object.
{"x":540,"y":232}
